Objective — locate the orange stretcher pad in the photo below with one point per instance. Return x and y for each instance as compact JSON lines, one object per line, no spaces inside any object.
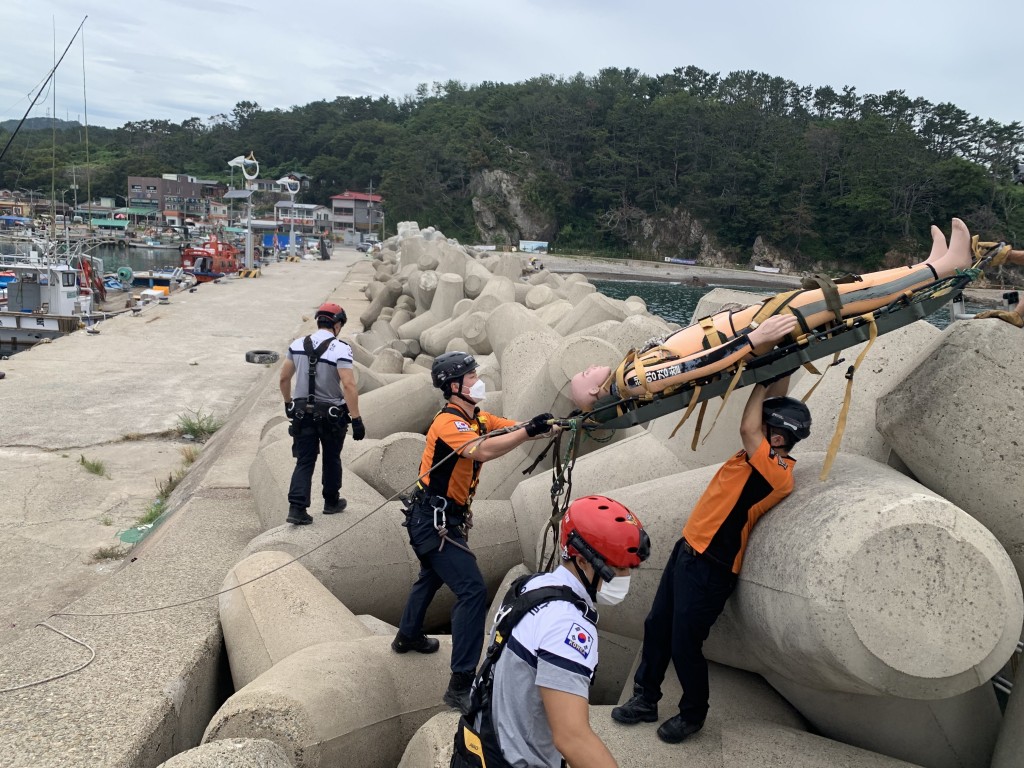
{"x":716,"y":344}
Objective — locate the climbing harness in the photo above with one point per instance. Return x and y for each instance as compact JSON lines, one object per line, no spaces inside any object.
{"x":478,"y":747}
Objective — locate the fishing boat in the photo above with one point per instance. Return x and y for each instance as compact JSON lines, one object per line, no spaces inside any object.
{"x":211,"y":260}
{"x":154,"y":244}
{"x":49,"y":296}
{"x":170,"y":278}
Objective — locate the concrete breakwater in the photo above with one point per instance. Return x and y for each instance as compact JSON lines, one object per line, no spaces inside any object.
{"x":874,"y":606}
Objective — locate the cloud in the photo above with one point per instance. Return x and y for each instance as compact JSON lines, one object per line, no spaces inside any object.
{"x":174,"y":59}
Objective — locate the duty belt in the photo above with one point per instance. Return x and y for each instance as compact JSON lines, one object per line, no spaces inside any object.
{"x":688,"y":548}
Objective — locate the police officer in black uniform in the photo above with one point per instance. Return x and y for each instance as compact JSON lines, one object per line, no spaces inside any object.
{"x":321,"y":407}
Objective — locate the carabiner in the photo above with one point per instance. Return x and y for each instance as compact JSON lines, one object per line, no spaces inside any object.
{"x":439,"y":505}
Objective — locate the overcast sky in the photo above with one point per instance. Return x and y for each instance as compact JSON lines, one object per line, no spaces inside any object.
{"x":176,"y":59}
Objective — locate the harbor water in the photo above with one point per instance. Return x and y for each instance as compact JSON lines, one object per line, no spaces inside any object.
{"x":675,"y":302}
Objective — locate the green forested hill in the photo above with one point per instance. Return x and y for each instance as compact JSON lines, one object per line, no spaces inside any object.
{"x":815,"y":172}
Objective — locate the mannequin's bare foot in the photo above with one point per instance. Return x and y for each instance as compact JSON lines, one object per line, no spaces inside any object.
{"x":959,"y":254}
{"x":938,"y":246}
{"x":960,"y":245}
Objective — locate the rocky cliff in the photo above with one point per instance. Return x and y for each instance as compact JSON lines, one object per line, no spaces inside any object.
{"x":502,"y":213}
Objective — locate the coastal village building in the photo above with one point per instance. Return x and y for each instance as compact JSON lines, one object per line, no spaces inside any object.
{"x":357,"y":212}
{"x":177,"y":198}
{"x":308,"y":218}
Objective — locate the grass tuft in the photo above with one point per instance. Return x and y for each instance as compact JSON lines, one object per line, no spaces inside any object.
{"x":113,"y":552}
{"x":189,"y":454}
{"x":106,"y":520}
{"x":198,"y":426}
{"x":156,"y":509}
{"x":96,"y":467}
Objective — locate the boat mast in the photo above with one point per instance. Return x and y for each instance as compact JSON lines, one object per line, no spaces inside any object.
{"x":41,"y":89}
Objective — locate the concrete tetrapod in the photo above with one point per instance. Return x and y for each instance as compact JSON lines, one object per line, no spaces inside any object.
{"x":955,"y":421}
{"x":393,"y":464}
{"x":271,"y":471}
{"x":232,"y":753}
{"x":629,"y":461}
{"x":366,"y":562}
{"x":750,"y":726}
{"x":419,"y":403}
{"x":447,"y":294}
{"x":272,"y":607}
{"x":958,"y":732}
{"x":866,"y":584}
{"x":344,"y":703}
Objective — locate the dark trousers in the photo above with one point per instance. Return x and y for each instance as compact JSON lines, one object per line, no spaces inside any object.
{"x":307,"y":440}
{"x":690,"y":597}
{"x":458,"y":569}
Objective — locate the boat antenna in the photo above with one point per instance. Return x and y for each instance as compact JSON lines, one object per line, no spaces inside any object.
{"x":41,"y":89}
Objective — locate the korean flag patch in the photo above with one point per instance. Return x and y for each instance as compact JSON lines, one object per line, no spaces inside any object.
{"x":463,"y":426}
{"x":580,"y":639}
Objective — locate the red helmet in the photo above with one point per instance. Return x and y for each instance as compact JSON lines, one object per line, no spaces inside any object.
{"x":605,"y":533}
{"x":330,"y":312}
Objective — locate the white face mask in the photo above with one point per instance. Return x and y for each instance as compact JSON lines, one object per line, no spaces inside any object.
{"x":478,"y":392}
{"x":613,"y":592}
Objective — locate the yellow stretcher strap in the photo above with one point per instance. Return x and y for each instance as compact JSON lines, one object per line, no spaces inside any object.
{"x":837,"y":438}
{"x":725,"y":398}
{"x":689,"y":409}
{"x":698,"y":425}
{"x":712,"y":336}
{"x":773,"y":306}
{"x":812,"y":369}
{"x":620,"y":372}
{"x":829,"y":291}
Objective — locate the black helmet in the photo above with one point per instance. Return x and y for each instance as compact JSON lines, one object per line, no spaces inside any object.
{"x":330,"y":313}
{"x":451,"y":366}
{"x":789,"y":414}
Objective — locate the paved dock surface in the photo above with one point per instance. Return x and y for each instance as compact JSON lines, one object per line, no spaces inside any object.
{"x":113,"y":397}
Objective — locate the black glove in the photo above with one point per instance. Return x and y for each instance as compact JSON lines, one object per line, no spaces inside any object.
{"x":358,"y":430}
{"x":539,"y":425}
{"x":289,"y":409}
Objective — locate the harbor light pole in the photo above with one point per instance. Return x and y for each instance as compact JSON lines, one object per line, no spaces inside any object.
{"x":250,"y":168}
{"x":291,"y":186}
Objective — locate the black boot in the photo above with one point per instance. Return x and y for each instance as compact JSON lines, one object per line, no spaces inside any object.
{"x":334,"y":507}
{"x":457,"y":695}
{"x":421,"y":644}
{"x":636,"y":710}
{"x":298,"y":516}
{"x":676,"y":729}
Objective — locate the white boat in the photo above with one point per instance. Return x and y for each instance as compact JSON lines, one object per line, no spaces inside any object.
{"x":771,"y":270}
{"x":152,"y":244}
{"x":50,"y":295}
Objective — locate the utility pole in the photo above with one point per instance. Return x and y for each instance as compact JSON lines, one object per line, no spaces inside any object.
{"x":369,"y":211}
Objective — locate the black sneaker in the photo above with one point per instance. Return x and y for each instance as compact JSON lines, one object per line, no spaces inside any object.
{"x":457,"y":695}
{"x":333,"y":508}
{"x":298,"y":516}
{"x":636,"y":710}
{"x":676,"y":729}
{"x":421,"y":644}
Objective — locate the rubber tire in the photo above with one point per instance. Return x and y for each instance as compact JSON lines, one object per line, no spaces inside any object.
{"x":261,"y":356}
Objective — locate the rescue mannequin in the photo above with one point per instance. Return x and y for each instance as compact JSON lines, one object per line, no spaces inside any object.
{"x":718,"y":343}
